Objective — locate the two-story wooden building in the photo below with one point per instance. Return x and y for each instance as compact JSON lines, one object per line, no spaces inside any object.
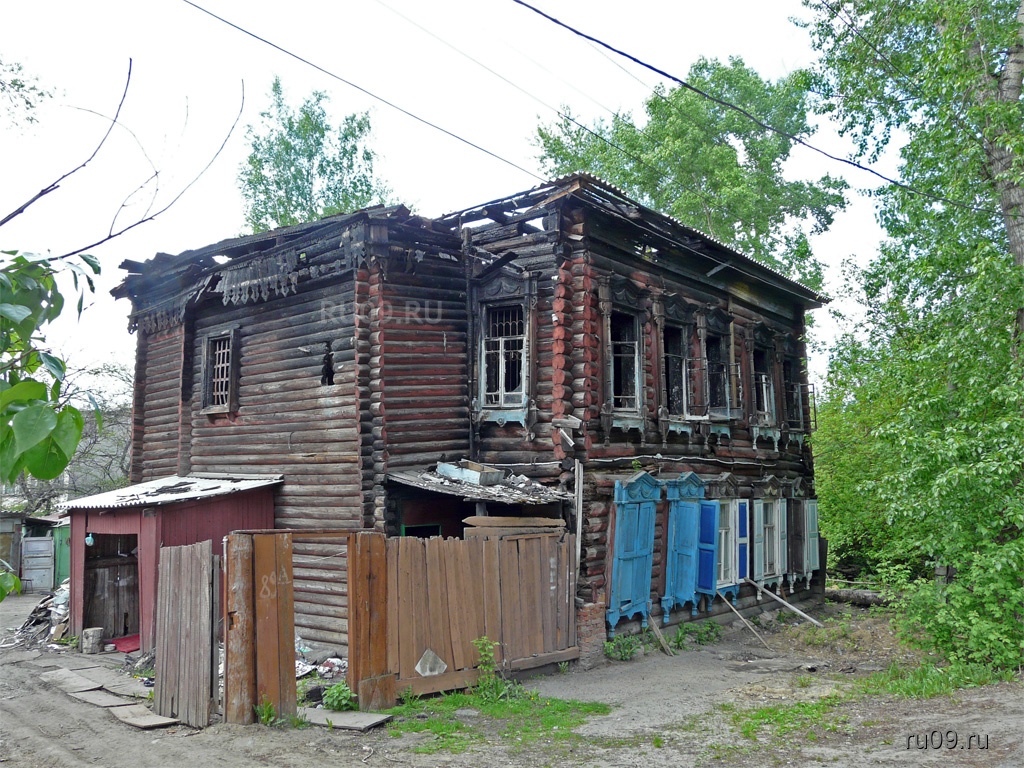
{"x":648,"y":379}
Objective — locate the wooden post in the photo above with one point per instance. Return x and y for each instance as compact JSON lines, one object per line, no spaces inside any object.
{"x":368,"y":668}
{"x":239,"y":631}
{"x":275,"y":622}
{"x":778,"y":599}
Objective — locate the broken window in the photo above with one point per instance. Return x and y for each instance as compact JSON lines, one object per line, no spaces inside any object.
{"x":220,"y":373}
{"x":625,"y":354}
{"x":504,"y":343}
{"x":675,"y":370}
{"x":764,"y":387}
{"x":794,"y":394}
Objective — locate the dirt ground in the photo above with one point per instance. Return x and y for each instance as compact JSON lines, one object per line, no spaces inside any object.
{"x":665,"y":711}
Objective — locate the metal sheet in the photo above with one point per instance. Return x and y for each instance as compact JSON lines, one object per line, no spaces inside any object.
{"x":172,"y":490}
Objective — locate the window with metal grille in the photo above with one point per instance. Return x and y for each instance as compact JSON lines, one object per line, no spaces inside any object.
{"x":625,"y":353}
{"x":220,"y":372}
{"x":675,"y":370}
{"x":504,"y":344}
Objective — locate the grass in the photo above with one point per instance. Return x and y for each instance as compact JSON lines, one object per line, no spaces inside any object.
{"x":929,"y":680}
{"x":519,"y":717}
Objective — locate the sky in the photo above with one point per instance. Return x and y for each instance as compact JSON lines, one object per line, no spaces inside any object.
{"x":196,"y":83}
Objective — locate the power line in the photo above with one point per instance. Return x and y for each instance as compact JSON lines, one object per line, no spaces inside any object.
{"x":757,"y":121}
{"x":359,"y":88}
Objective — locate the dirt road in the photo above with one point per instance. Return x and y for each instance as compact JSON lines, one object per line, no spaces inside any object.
{"x":666,"y":711}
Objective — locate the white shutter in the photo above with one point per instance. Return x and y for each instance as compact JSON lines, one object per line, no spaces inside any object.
{"x":783,"y":549}
{"x":811,"y":537}
{"x":758,"y":574}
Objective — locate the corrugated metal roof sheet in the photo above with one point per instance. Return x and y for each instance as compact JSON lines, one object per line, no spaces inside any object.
{"x":515,"y":489}
{"x":172,"y":490}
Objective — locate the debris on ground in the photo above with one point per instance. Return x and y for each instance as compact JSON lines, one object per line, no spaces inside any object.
{"x":48,"y":622}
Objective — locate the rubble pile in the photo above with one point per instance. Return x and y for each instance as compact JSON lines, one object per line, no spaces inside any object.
{"x":48,"y":622}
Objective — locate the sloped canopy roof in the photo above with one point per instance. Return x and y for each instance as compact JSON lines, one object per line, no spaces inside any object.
{"x":172,"y":490}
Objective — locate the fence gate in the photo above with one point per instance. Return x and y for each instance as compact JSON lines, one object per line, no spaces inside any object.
{"x":186,"y":621}
{"x":518,"y":591}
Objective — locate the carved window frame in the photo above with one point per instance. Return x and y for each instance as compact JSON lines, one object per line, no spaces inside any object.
{"x":676,"y":315}
{"x":223,"y":372}
{"x":504,"y":289}
{"x":715,"y":322}
{"x":619,"y":295}
{"x":764,"y":340}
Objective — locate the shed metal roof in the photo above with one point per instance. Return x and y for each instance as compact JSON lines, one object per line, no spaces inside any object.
{"x":515,"y":489}
{"x":172,"y":490}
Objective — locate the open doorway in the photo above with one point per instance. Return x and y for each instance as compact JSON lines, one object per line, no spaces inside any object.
{"x":111,"y":585}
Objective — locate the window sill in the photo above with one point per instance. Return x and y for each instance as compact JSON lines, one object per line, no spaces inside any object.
{"x":216,"y":410}
{"x":502,"y":416}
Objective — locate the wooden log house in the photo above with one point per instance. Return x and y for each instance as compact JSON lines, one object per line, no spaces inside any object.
{"x":650,"y":378}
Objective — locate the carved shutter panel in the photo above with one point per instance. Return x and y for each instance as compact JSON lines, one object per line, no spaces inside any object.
{"x":681,"y":569}
{"x":758,"y":540}
{"x":635,"y":507}
{"x":707,"y":548}
{"x":783,"y":541}
{"x":742,"y":538}
{"x":811,"y":529}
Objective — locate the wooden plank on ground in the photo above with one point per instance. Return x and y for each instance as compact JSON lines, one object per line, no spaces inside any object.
{"x":100,"y":698}
{"x":138,"y":716}
{"x":346,"y":721}
{"x":239,"y":632}
{"x":532,"y":662}
{"x":515,"y":522}
{"x":69,"y":682}
{"x":491,"y":580}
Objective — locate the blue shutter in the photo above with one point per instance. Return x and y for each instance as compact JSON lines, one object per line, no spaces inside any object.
{"x":707,"y":546}
{"x":811,"y":535}
{"x":742,"y":539}
{"x":635,"y":506}
{"x":758,"y":574}
{"x":783,"y":540}
{"x":681,"y":568}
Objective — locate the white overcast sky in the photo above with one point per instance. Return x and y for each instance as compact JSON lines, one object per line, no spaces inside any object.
{"x":188,"y":71}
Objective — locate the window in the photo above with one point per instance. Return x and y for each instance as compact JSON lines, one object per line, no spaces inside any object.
{"x":717,"y":375}
{"x":675,"y":370}
{"x":220,"y":373}
{"x":764,"y":387}
{"x":625,"y":353}
{"x":504,"y":344}
{"x":794,"y":394}
{"x":770,"y":540}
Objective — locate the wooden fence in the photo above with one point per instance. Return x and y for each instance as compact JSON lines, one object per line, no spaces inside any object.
{"x":518,"y":591}
{"x":186,"y":622}
{"x":413,"y":608}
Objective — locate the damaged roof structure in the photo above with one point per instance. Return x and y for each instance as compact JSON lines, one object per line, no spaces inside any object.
{"x":565,"y":335}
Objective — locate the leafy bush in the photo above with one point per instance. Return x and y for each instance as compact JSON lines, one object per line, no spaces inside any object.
{"x":339,"y":697}
{"x":622,"y":647}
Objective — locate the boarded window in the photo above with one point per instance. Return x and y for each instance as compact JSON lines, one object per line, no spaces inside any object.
{"x":625,"y":351}
{"x":504,"y":343}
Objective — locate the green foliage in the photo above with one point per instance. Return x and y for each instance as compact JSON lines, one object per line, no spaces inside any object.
{"x":710,"y":167}
{"x":302,"y":168}
{"x":524,"y":719}
{"x":492,"y":685}
{"x":266,"y":714}
{"x":622,"y":647}
{"x":39,"y":430}
{"x":339,"y":697}
{"x":20,"y":94}
{"x":701,"y":633}
{"x":803,"y":717}
{"x":929,"y":680}
{"x":922,"y":457}
{"x":9,"y":582}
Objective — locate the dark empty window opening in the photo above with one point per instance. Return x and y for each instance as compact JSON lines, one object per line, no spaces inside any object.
{"x":504,"y":343}
{"x":675,"y":370}
{"x":791,"y":370}
{"x":717,"y":373}
{"x":625,"y":351}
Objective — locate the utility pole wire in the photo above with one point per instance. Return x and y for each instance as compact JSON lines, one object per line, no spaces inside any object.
{"x":359,"y":88}
{"x":757,"y":121}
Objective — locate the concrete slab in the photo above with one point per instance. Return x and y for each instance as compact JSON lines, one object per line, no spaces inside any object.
{"x":101,"y":698}
{"x":15,"y":657}
{"x":64,"y":661}
{"x":130,"y":687}
{"x":349,"y":721}
{"x":68,"y":681}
